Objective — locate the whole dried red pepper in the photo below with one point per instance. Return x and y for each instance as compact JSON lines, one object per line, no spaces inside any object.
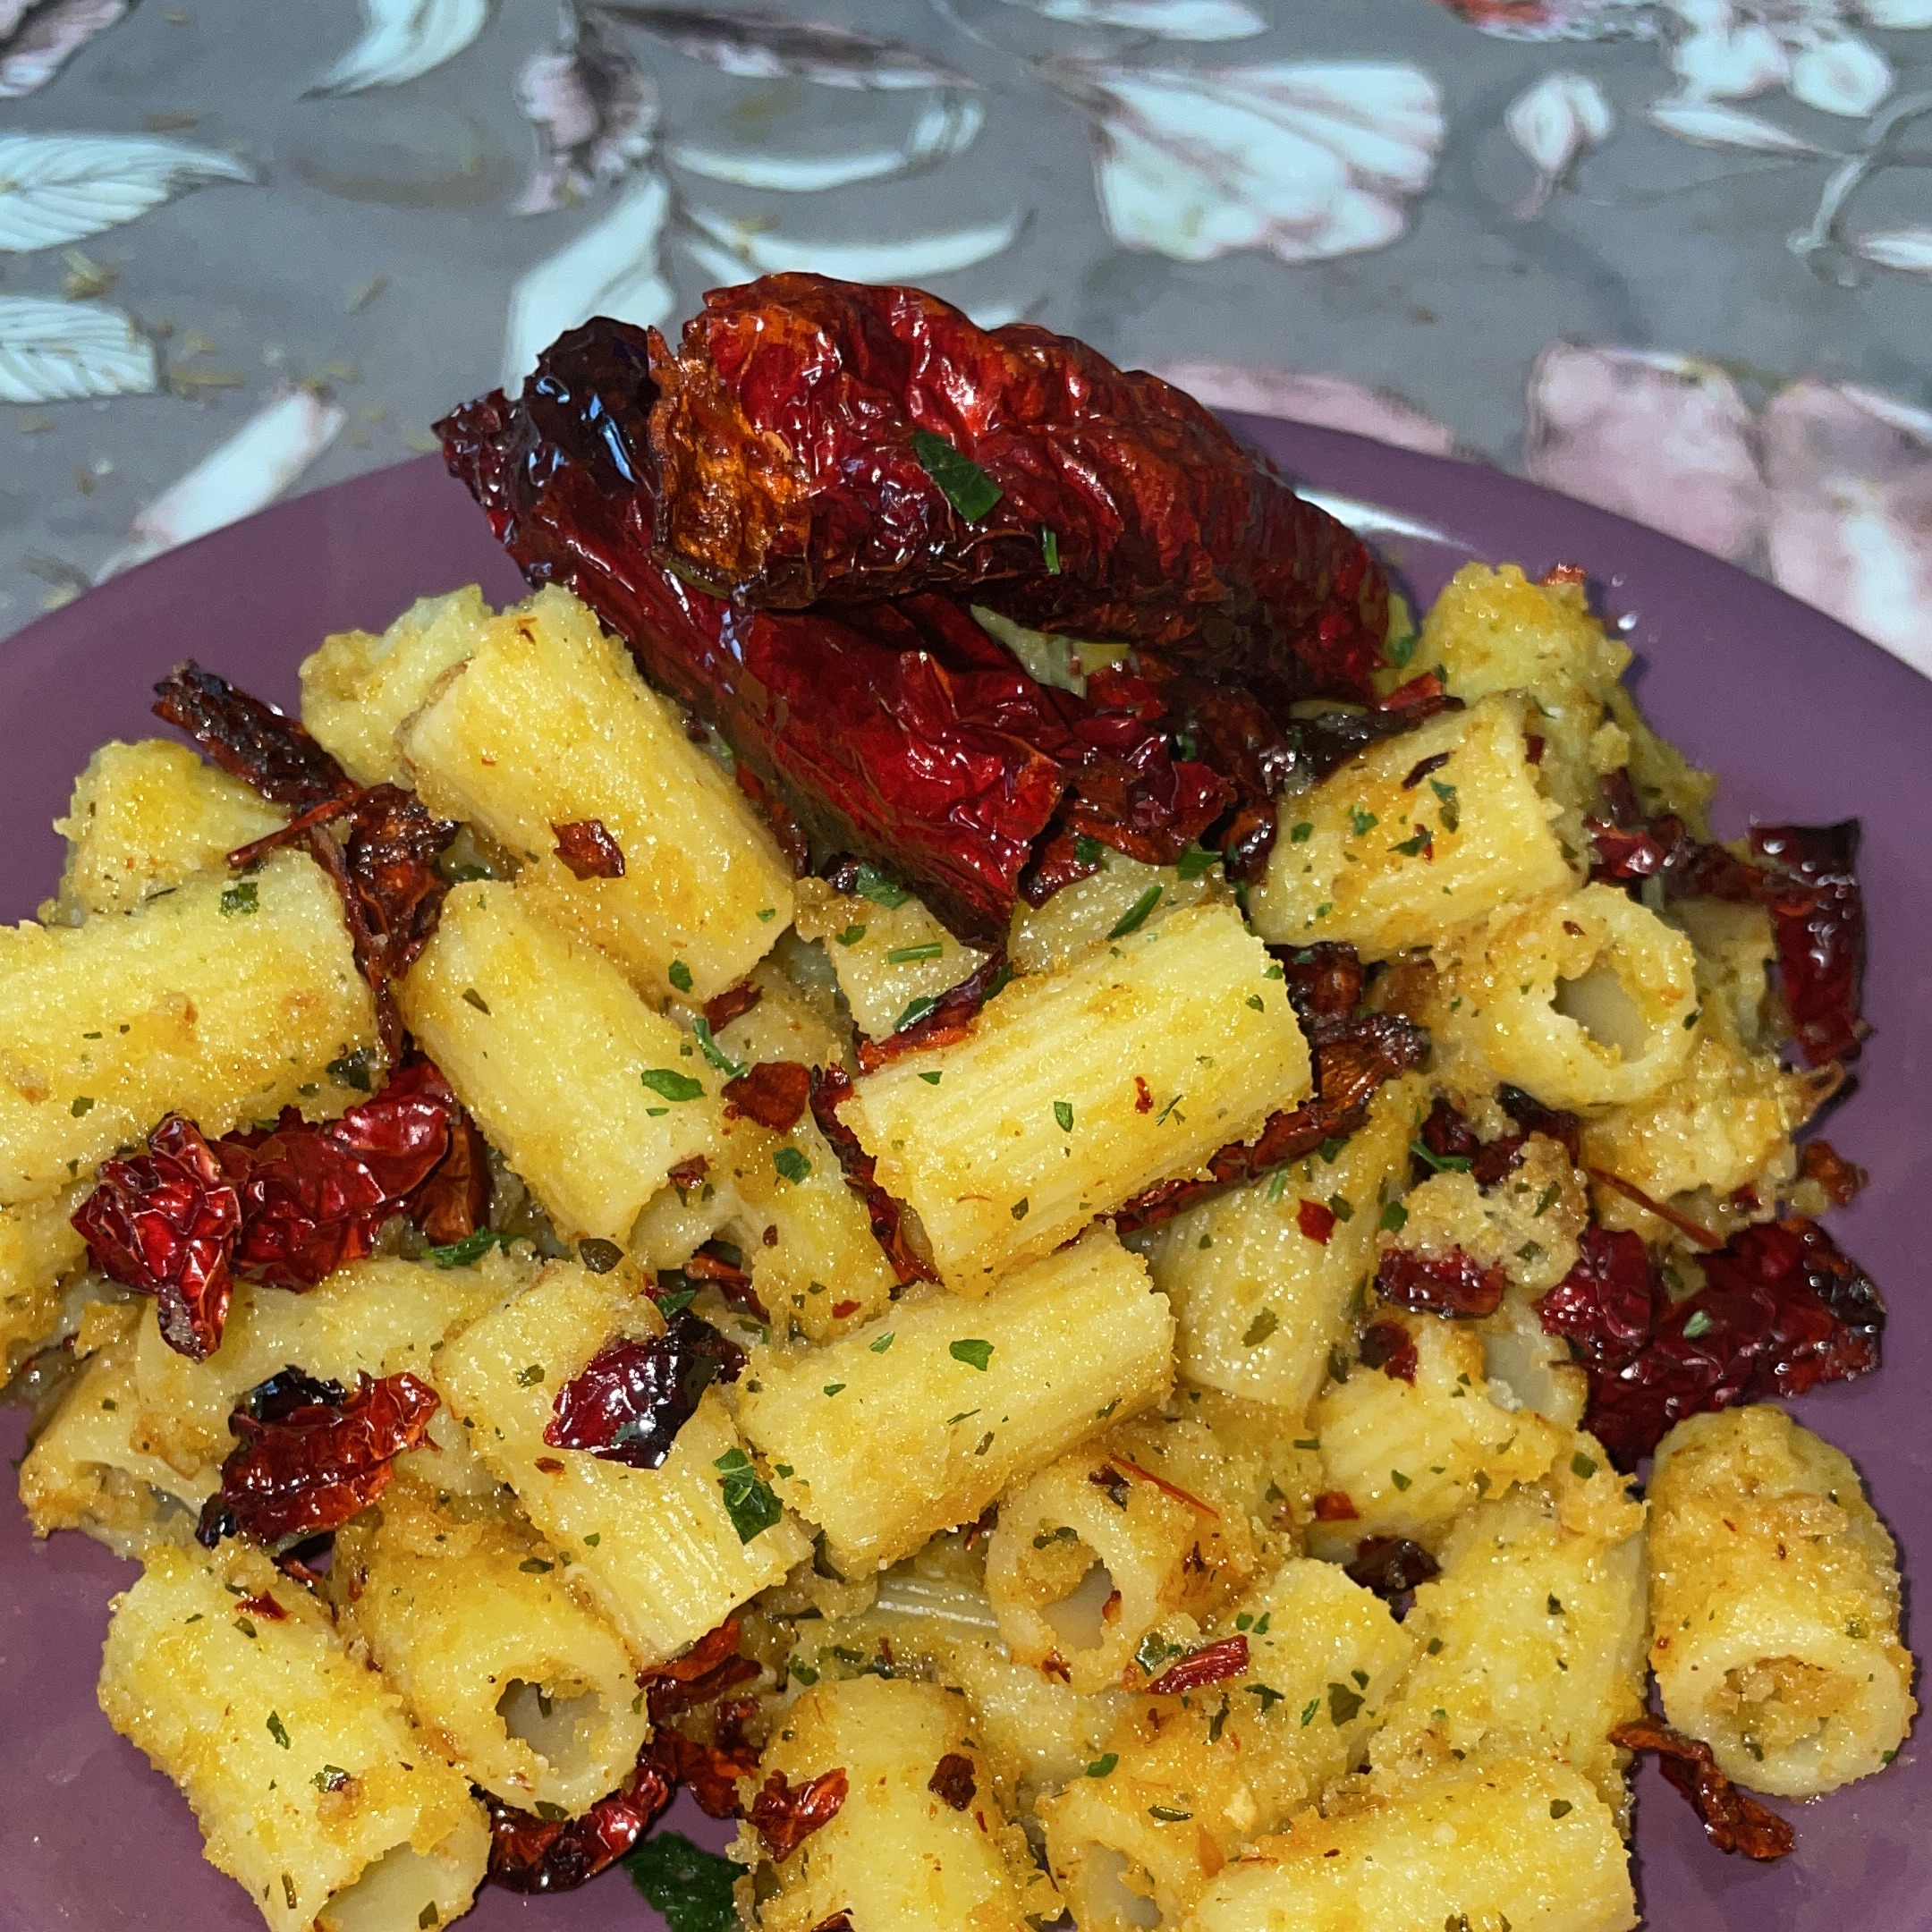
{"x":631,"y":1399}
{"x":311,"y":1455}
{"x":822,"y":441}
{"x":166,"y":1223}
{"x":1781,"y":1310}
{"x":896,"y":730}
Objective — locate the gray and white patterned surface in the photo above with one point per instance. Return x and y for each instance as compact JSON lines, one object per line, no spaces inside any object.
{"x":1674,"y":256}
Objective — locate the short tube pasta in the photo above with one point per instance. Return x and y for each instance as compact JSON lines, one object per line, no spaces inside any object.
{"x":1144,"y":1507}
{"x":1585,"y":1001}
{"x":1532,"y":1844}
{"x":547,"y":724}
{"x":655,"y":1549}
{"x":1175,"y":1041}
{"x":357,"y":690}
{"x":1385,"y":858}
{"x":902,"y":1853}
{"x":528,"y":1691}
{"x":39,"y":1249}
{"x":1774,"y":1605}
{"x":592,"y":1096}
{"x":225,"y":1001}
{"x":914,"y":1423}
{"x":146,"y":815}
{"x":312,"y":1788}
{"x":1258,"y":1302}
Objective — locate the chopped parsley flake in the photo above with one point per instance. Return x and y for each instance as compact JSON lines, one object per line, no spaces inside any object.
{"x":1394,"y":1217}
{"x":1361,"y":821}
{"x":1261,"y":1328}
{"x":1342,"y":1705}
{"x":1698,"y":1324}
{"x":1049,"y":543}
{"x":791,"y":1163}
{"x":680,"y":975}
{"x":905,"y":955}
{"x":241,"y":899}
{"x":670,"y":1084}
{"x":748,"y":1501}
{"x":1136,"y":915}
{"x":961,"y":481}
{"x":975,"y":1355}
{"x":916,"y":1011}
{"x":933,"y":1078}
{"x":277,"y":1730}
{"x":1063,"y":1111}
{"x":884,"y":1343}
{"x":872,"y":884}
{"x":1196,"y":861}
{"x":851,"y":937}
{"x":731,"y":1069}
{"x":1103,"y":1765}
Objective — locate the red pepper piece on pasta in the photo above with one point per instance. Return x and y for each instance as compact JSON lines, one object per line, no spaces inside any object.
{"x":164,"y":1223}
{"x":1211,"y":1664}
{"x":829,"y":441}
{"x":1732,"y":1820}
{"x":1391,"y":1566}
{"x":533,"y":1855}
{"x":588,"y":849}
{"x":831,"y":1088}
{"x":784,"y":1814}
{"x":629,"y":1402}
{"x":774,"y":1093}
{"x":1389,"y":1346}
{"x":310,"y":1454}
{"x":252,"y":741}
{"x":1817,"y":913}
{"x":1452,"y":1283}
{"x":953,"y":1782}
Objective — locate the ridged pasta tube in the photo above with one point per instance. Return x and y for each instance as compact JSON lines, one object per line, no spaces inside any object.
{"x":312,"y":1790}
{"x":914,"y":1423}
{"x":657,"y":1550}
{"x":1128,"y":1535}
{"x":528,"y":1691}
{"x":1530,"y":1845}
{"x":145,"y":817}
{"x":226,"y":1000}
{"x":1585,"y":1001}
{"x":900,"y":1855}
{"x":1774,"y":1605}
{"x":1077,"y":1089}
{"x":39,"y":1249}
{"x":591,"y":1096}
{"x":1384,"y":863}
{"x":357,"y":688}
{"x":547,"y":723}
{"x":1184,"y":1783}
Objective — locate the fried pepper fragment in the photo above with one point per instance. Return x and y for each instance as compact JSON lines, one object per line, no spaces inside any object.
{"x":1732,"y":1820}
{"x":1781,"y":1310}
{"x":629,"y":1402}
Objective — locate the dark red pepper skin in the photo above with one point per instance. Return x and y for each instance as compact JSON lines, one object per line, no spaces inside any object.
{"x":1732,"y":1820}
{"x":1455,"y":1283}
{"x":629,"y":1402}
{"x":784,"y":432}
{"x":1782,"y":1310}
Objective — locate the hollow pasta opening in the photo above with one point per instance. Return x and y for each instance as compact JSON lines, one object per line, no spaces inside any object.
{"x":1600,"y":1003}
{"x":401,"y":1888}
{"x":1110,"y":1897}
{"x":557,"y":1727}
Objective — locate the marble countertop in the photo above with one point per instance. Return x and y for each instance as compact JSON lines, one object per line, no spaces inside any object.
{"x":1672,"y":256}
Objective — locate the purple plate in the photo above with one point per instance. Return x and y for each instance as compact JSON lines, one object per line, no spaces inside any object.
{"x":1804,"y":720}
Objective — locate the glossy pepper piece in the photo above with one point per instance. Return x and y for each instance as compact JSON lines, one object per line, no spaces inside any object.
{"x":824,"y":442}
{"x":629,"y":1400}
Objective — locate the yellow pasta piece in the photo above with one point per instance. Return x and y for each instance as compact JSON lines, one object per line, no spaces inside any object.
{"x":897,"y":1856}
{"x":1410,"y":1455}
{"x":146,"y":815}
{"x":1369,"y":859}
{"x":528,"y":1691}
{"x":656,"y":1549}
{"x":376,"y":1318}
{"x":591,"y":1097}
{"x":1185,"y":1785}
{"x":547,"y":723}
{"x":1530,"y":1843}
{"x":887,"y":950}
{"x":227,"y":1000}
{"x":1257,"y":1304}
{"x":1079,"y":917}
{"x":1774,"y":1605}
{"x":1531,"y":1644}
{"x":1078,"y":1089}
{"x":1135,"y":1534}
{"x":357,"y":688}
{"x":312,"y":1790}
{"x":1586,"y":1002}
{"x":39,"y":1249}
{"x":914,"y":1423}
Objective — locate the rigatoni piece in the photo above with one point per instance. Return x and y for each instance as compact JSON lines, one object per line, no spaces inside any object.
{"x":1183,"y":1784}
{"x":357,"y":690}
{"x":887,"y":950}
{"x":528,"y":1691}
{"x":1385,"y":864}
{"x":1531,"y":1642}
{"x":146,"y":815}
{"x":1079,"y":917}
{"x":227,"y":1000}
{"x":1258,"y":1301}
{"x":591,"y":1097}
{"x":376,"y":1318}
{"x":1774,"y":1605}
{"x":658,"y":1550}
{"x":1137,"y":1532}
{"x":1584,"y":1001}
{"x":549,"y":723}
{"x":1406,"y":1455}
{"x":312,"y":1790}
{"x":38,"y":1248}
{"x":914,"y":1423}
{"x":1530,"y":1845}
{"x":1077,"y":1089}
{"x":919,"y":1843}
